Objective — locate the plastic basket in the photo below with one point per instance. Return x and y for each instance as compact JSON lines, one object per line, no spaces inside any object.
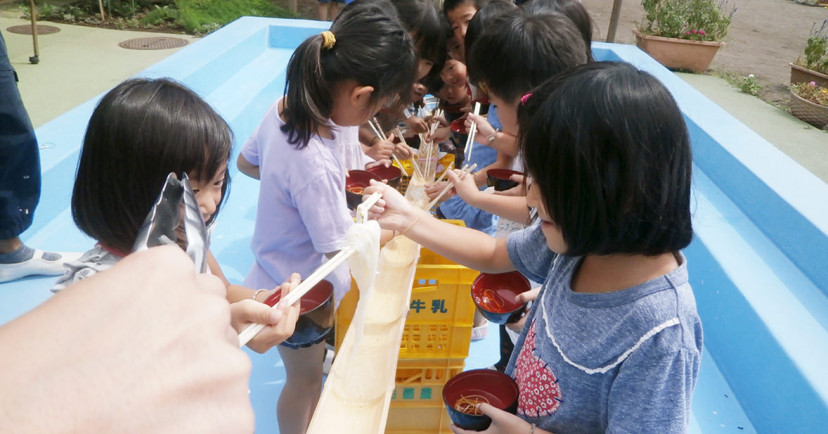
{"x":407,"y":167}
{"x":432,"y":341}
{"x":440,"y":313}
{"x":421,"y":381}
{"x":407,"y":418}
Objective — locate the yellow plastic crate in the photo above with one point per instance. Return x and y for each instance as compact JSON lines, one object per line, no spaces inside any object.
{"x":421,"y":381}
{"x":435,"y":340}
{"x":408,"y":167}
{"x":406,"y":418}
{"x":440,"y":297}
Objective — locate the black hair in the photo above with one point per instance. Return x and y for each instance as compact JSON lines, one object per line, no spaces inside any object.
{"x":572,"y":9}
{"x":422,"y":22}
{"x":491,"y":13}
{"x":371,"y":47}
{"x":140,"y":131}
{"x":528,"y":49}
{"x":450,"y":5}
{"x":608,"y":149}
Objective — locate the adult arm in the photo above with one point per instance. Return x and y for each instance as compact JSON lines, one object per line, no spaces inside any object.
{"x":145,"y":346}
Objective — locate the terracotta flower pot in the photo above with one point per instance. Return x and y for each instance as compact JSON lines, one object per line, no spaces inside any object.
{"x":812,"y":113}
{"x":801,"y":74}
{"x":677,"y":53}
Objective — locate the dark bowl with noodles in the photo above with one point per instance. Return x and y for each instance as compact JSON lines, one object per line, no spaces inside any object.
{"x":494,"y":295}
{"x":316,"y":315}
{"x":355,"y":184}
{"x":464,"y":391}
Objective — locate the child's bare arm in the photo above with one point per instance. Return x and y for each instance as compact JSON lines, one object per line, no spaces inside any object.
{"x":247,"y":168}
{"x":513,"y":208}
{"x":469,"y":247}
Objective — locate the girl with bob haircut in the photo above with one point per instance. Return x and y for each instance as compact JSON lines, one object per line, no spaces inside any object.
{"x":335,"y":82}
{"x":141,"y":131}
{"x":613,"y":341}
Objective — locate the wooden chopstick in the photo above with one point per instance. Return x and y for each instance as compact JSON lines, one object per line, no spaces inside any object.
{"x":296,"y":294}
{"x":466,"y":169}
{"x":472,"y":132}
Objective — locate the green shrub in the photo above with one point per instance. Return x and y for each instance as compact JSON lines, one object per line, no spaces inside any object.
{"x":815,"y":56}
{"x":699,"y":20}
{"x":204,"y":16}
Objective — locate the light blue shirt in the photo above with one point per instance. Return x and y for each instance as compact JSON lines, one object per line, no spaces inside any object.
{"x":456,"y":208}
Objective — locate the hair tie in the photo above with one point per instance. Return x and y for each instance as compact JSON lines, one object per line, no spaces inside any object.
{"x":328,"y":40}
{"x":525,"y":98}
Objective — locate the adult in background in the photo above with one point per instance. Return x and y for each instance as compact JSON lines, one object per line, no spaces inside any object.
{"x":19,"y":183}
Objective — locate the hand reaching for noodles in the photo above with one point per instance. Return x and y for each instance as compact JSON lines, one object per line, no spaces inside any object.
{"x":392,"y":211}
{"x":464,"y":186}
{"x":435,"y":188}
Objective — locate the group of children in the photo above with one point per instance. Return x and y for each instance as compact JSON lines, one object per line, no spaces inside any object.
{"x":612,"y":341}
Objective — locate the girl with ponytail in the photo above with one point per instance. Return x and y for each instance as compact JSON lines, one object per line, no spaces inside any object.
{"x":335,"y":81}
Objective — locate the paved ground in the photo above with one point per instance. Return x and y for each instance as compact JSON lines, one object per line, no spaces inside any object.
{"x":78,"y":63}
{"x":764,"y":36}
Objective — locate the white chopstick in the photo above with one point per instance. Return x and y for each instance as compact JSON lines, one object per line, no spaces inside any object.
{"x":367,"y":203}
{"x":472,"y":132}
{"x":295,"y":294}
{"x":466,"y":169}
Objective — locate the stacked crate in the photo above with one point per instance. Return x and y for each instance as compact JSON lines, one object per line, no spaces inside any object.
{"x":435,"y":342}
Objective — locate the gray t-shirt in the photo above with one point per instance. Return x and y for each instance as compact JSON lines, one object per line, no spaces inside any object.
{"x":92,"y":262}
{"x":623,"y":361}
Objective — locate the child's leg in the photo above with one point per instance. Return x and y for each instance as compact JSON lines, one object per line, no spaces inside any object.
{"x":303,"y":385}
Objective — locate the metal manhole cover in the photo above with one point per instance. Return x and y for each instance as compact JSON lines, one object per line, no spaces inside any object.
{"x":26,"y":29}
{"x":157,"y":43}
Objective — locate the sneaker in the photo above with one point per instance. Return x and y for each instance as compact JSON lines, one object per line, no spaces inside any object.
{"x":37,"y":265}
{"x":480,"y":332}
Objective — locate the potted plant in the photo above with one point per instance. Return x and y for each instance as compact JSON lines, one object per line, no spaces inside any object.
{"x":683,"y":34}
{"x":809,"y":102}
{"x":812,"y":65}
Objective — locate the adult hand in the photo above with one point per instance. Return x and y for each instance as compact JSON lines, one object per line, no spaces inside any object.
{"x":280,"y":320}
{"x":502,"y":422}
{"x":145,"y":346}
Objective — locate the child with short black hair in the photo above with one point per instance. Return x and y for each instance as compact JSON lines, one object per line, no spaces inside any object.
{"x":613,"y":342}
{"x":141,"y":131}
{"x":335,"y":82}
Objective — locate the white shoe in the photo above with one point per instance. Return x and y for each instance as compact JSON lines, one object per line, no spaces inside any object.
{"x":36,"y":266}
